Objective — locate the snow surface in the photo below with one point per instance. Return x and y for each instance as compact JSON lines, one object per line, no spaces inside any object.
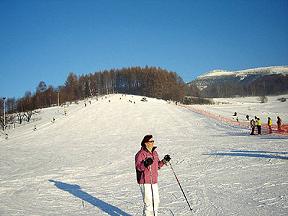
{"x":83,"y":164}
{"x":216,"y":73}
{"x":250,"y":106}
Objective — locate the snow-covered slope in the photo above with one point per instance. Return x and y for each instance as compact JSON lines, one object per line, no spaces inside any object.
{"x":83,"y":164}
{"x":250,"y":106}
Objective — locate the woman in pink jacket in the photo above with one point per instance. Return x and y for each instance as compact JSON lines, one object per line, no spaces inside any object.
{"x":147,"y":164}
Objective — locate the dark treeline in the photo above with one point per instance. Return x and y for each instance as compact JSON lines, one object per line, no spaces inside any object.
{"x":266,"y":85}
{"x":149,"y":81}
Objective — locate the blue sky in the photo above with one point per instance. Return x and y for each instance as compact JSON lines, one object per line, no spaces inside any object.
{"x":47,"y":39}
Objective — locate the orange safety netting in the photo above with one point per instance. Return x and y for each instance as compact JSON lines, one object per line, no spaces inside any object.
{"x":243,"y":124}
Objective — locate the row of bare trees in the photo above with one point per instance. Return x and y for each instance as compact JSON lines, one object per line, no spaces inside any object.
{"x":147,"y":81}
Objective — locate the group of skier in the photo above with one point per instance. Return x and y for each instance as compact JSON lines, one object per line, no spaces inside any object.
{"x":257,"y":123}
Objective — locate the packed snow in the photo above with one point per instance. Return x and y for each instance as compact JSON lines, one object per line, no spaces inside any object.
{"x":83,"y":163}
{"x":251,"y":106}
{"x":215,"y":73}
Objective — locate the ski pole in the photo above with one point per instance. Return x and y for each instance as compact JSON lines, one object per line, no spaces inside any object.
{"x":151,"y":183}
{"x":180,"y":186}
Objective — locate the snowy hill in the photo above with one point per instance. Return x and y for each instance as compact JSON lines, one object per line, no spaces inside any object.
{"x":244,"y":78}
{"x":243,"y":73}
{"x":83,"y":164}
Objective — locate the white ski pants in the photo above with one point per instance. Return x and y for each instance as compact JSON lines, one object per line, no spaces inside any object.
{"x":147,"y":199}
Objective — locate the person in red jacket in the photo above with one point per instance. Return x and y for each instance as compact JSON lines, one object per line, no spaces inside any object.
{"x":147,"y":164}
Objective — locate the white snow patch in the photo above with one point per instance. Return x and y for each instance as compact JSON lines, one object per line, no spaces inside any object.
{"x":83,"y":164}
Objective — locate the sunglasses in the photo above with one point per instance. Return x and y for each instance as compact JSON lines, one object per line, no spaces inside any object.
{"x":151,"y":141}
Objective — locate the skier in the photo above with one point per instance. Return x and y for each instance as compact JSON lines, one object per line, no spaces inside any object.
{"x":252,"y":124}
{"x":147,"y":164}
{"x":279,"y":122}
{"x":258,"y":125}
{"x":269,"y":125}
{"x":247,"y":117}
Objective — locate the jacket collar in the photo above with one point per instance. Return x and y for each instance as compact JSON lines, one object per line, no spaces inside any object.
{"x":153,"y":149}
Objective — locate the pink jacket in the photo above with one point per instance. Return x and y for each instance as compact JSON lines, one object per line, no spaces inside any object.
{"x":143,"y":173}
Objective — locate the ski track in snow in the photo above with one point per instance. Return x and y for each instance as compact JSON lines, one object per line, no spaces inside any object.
{"x":83,"y":164}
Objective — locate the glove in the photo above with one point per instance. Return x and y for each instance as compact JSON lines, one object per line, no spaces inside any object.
{"x":148,"y":162}
{"x":166,"y":159}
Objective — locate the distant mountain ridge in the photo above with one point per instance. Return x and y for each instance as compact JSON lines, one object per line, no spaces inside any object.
{"x":261,"y":70}
{"x":263,"y":80}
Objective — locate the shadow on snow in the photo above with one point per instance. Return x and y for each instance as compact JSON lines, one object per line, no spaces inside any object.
{"x":76,"y":191}
{"x":257,"y":154}
{"x":262,"y":152}
{"x":275,"y":138}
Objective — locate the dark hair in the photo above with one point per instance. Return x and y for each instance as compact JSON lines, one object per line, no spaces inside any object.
{"x":146,"y":139}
